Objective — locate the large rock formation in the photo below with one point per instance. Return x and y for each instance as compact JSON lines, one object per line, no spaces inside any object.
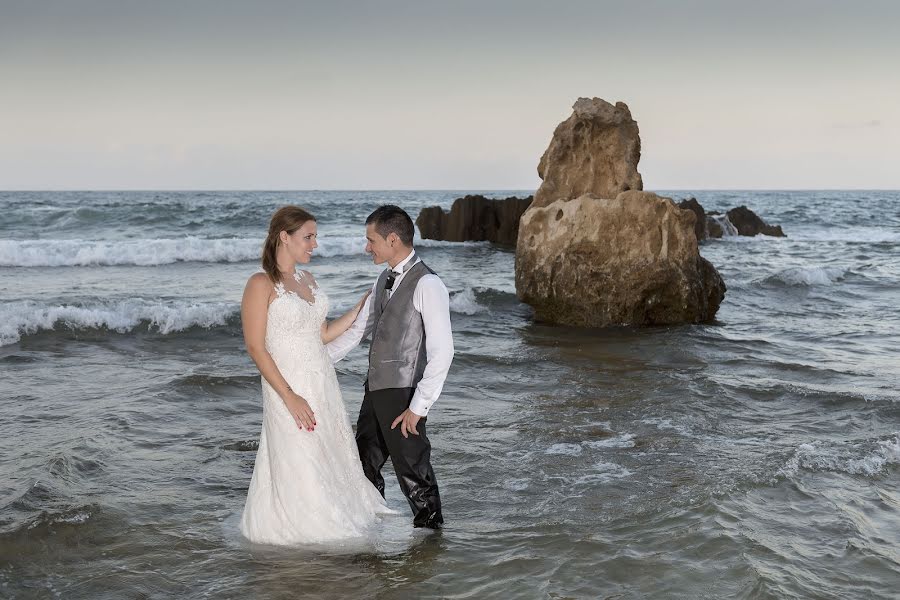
{"x":632,"y":260}
{"x":474,"y":218}
{"x":593,"y":249}
{"x":595,"y":151}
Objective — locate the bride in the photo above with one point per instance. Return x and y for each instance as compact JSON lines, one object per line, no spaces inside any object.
{"x":308,"y":484}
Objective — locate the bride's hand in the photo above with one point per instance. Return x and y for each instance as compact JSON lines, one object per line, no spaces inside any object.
{"x":362,"y":301}
{"x":300,"y":410}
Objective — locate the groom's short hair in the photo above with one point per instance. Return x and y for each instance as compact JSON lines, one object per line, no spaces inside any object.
{"x":390,"y":219}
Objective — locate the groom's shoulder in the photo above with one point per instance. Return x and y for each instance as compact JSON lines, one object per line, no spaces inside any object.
{"x":424,"y":265}
{"x":431,"y":281}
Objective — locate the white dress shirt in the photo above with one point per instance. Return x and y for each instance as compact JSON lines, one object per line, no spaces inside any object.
{"x":432,"y":301}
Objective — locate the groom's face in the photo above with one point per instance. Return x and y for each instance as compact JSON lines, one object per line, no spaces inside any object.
{"x":380,"y":248}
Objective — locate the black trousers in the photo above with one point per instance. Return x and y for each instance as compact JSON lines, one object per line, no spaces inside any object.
{"x":411,"y":456}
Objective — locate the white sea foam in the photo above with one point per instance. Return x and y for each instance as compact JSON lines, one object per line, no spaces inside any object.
{"x":844,"y":458}
{"x":808,"y":276}
{"x":28,"y":317}
{"x":604,"y":425}
{"x":603,"y":473}
{"x":444,"y":244}
{"x":728,"y":228}
{"x":567,"y":449}
{"x":625,"y":440}
{"x":516,"y":485}
{"x":661,"y":423}
{"x":74,"y":518}
{"x":465,"y":303}
{"x":78,"y":253}
{"x":149,"y":252}
{"x":849,"y":235}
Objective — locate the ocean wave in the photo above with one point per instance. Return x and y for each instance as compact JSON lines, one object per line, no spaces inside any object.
{"x":849,"y":235}
{"x":808,"y":276}
{"x":70,"y":466}
{"x":853,"y":459}
{"x":464,"y":303}
{"x":164,"y":251}
{"x":728,"y":228}
{"x":148,"y":252}
{"x":243,"y":446}
{"x":73,"y":516}
{"x":28,"y":317}
{"x":423,"y":243}
{"x":205,"y":380}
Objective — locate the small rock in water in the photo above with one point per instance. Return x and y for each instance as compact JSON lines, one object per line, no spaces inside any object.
{"x":700,"y":227}
{"x":737,"y":221}
{"x":718,"y":225}
{"x":474,"y":218}
{"x":748,"y":223}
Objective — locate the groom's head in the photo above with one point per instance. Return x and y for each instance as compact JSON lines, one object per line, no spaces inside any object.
{"x":389,"y":234}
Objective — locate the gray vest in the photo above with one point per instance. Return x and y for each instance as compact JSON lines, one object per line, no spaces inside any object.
{"x":397,"y":355}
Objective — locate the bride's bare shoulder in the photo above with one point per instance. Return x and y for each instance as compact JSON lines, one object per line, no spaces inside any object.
{"x":258,"y":283}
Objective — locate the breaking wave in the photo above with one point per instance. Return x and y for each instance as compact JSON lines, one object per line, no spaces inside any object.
{"x":27,"y":317}
{"x":82,"y":253}
{"x":808,"y":276}
{"x":464,"y":303}
{"x":164,"y":251}
{"x":728,"y":228}
{"x":844,"y":458}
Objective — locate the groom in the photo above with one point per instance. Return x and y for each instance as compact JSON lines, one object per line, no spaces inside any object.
{"x":408,"y":318}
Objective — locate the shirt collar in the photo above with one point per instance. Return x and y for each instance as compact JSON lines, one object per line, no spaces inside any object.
{"x":399,"y":268}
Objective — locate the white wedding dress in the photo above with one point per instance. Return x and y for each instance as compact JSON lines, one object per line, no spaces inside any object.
{"x":307,"y":487}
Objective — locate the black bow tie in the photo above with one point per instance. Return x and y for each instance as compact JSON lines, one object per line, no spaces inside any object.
{"x":392,"y":276}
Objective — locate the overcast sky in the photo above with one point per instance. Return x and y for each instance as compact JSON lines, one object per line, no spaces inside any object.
{"x":216,"y":94}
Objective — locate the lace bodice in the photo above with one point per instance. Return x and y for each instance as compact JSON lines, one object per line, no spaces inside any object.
{"x":293,"y":327}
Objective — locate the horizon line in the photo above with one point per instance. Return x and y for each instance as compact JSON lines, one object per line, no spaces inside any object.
{"x":510,"y":189}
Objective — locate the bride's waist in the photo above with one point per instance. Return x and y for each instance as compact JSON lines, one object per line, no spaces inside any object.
{"x":303,"y":336}
{"x":306,"y":347}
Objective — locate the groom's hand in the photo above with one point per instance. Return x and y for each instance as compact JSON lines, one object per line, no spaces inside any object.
{"x":408,"y":421}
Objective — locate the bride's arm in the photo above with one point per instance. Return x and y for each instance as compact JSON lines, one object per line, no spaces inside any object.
{"x":254,"y":314}
{"x":332,"y":329}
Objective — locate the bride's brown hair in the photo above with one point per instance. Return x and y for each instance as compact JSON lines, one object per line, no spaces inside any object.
{"x":288,"y":219}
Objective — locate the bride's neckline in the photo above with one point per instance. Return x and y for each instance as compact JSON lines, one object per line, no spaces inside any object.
{"x":299,"y":277}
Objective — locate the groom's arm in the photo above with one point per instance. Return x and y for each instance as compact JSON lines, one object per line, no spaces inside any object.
{"x":361,"y":328}
{"x":432,"y":300}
